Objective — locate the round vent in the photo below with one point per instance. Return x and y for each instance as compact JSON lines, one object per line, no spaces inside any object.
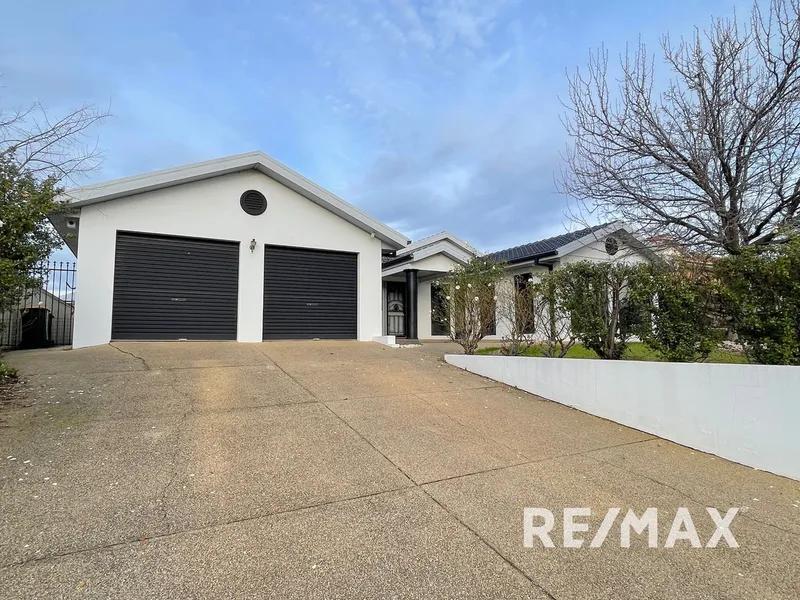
{"x":612,"y":246}
{"x":253,"y":202}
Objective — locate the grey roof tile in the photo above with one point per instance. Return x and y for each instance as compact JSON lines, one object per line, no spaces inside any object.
{"x":538,"y":248}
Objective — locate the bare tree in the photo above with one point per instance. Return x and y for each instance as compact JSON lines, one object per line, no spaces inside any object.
{"x":551,"y":315}
{"x":709,"y":159}
{"x":37,"y":155}
{"x":470,"y":303}
{"x":58,"y":149}
{"x":516,"y":310}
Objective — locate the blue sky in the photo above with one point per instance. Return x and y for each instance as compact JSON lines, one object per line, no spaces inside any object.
{"x":430,"y":115}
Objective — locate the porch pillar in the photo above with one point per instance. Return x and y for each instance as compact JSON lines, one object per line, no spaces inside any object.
{"x":411,"y":304}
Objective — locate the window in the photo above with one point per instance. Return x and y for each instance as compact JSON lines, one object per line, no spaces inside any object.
{"x":440,"y":318}
{"x":491,"y":326}
{"x":524,"y":313}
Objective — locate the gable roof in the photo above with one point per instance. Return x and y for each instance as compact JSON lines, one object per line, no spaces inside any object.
{"x":563,"y":244}
{"x":546,"y":247}
{"x":138,"y":184}
{"x":442,"y":236}
{"x":443,"y":243}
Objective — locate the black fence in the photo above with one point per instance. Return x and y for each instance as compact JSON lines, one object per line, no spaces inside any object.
{"x":43,"y":316}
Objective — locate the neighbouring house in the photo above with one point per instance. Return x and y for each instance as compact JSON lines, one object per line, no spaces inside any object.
{"x":243,"y":248}
{"x":60,"y":309}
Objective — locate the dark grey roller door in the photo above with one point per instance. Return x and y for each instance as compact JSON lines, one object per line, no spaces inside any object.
{"x":173,"y":288}
{"x":309,"y":294}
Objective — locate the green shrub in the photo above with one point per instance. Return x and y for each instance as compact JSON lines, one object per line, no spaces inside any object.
{"x":7,"y":374}
{"x":553,"y":324}
{"x":677,"y":303}
{"x":760,"y":293}
{"x":26,"y":236}
{"x":602,"y":313}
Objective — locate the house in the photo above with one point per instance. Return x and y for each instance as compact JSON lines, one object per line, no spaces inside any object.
{"x":243,"y":248}
{"x":240,"y":248}
{"x":418,"y":265}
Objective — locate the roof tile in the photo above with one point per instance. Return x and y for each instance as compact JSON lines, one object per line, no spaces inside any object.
{"x":540,"y":247}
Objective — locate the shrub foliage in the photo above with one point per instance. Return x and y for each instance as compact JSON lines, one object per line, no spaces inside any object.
{"x":760,"y":294}
{"x":602,"y":312}
{"x":26,"y":237}
{"x":678,"y":305}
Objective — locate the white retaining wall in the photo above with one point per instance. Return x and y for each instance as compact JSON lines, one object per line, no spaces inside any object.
{"x":746,"y":413}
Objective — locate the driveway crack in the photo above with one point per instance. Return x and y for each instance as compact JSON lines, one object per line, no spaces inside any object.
{"x":139,"y":358}
{"x":161,"y":501}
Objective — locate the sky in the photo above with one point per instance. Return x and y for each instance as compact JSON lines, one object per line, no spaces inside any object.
{"x":430,"y":115}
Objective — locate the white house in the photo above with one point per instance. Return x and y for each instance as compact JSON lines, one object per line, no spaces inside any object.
{"x":243,"y":248}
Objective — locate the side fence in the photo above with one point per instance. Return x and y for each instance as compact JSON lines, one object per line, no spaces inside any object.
{"x":56,"y":294}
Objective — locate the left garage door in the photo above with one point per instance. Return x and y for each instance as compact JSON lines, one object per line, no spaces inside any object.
{"x":174,"y":288}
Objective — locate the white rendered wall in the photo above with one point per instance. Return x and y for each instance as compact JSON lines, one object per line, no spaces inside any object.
{"x":596,"y":252}
{"x":424,"y":311}
{"x":745,"y":413}
{"x":210,"y":209}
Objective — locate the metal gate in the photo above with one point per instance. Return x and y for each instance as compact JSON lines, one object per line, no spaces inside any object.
{"x":50,"y":301}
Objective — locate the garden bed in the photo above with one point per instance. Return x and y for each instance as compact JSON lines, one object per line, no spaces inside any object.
{"x":634,"y":351}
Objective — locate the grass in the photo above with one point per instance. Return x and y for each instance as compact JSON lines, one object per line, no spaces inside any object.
{"x":634,"y":351}
{"x":7,"y":374}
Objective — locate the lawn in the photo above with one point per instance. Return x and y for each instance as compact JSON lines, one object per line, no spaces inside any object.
{"x":634,"y":351}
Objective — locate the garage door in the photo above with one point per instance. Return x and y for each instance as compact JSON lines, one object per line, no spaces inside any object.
{"x":173,"y":288}
{"x":309,"y":294}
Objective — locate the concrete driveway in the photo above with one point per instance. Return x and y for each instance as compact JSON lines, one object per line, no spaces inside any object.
{"x":348,"y":470}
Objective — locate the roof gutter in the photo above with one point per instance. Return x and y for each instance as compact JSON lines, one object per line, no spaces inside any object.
{"x":535,"y":257}
{"x":398,"y":261}
{"x":548,"y":265}
{"x":139,"y":184}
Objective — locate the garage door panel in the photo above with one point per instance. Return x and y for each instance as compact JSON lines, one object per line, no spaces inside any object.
{"x":310,"y":294}
{"x":191,"y":252}
{"x":169,"y":288}
{"x":168,"y":292}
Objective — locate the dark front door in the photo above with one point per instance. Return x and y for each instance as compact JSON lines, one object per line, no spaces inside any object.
{"x":395,"y":309}
{"x":174,"y":288}
{"x":309,"y":294}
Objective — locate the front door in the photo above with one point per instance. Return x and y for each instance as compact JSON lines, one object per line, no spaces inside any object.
{"x":395,"y":311}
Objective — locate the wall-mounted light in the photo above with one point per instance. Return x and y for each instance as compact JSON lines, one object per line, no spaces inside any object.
{"x":253,"y":245}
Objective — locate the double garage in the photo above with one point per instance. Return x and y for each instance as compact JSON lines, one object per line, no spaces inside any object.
{"x":238,"y":248}
{"x":181,"y":288}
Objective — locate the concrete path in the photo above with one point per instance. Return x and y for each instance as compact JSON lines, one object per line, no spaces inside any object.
{"x":348,"y":470}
